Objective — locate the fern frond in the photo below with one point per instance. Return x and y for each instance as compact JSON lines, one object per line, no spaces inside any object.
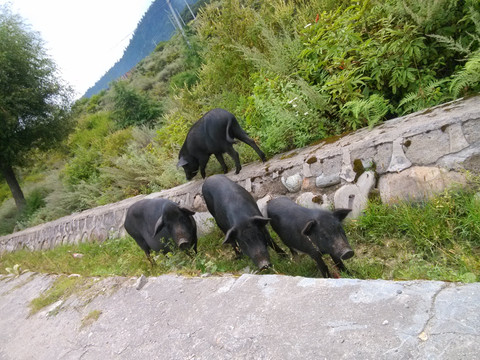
{"x":468,"y":77}
{"x":368,"y":111}
{"x":451,"y":44}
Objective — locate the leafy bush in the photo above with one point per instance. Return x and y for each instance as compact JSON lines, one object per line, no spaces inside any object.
{"x":144,"y":166}
{"x":132,"y":108}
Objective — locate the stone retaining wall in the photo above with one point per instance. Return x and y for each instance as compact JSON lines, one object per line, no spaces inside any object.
{"x":410,"y":157}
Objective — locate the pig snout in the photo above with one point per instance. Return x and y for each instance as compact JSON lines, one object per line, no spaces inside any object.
{"x":264,"y":264}
{"x":347,"y":254}
{"x":183,"y":244}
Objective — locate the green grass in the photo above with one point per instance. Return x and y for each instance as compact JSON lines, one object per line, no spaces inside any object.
{"x":62,"y":288}
{"x":435,"y":240}
{"x":91,"y":317}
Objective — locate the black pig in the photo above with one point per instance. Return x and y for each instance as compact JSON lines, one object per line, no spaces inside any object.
{"x":313,"y":232}
{"x":238,"y":216}
{"x":153,"y":223}
{"x":214,"y":134}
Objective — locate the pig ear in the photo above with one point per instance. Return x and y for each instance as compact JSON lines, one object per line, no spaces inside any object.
{"x":260,"y":220}
{"x":182,"y":162}
{"x":341,"y":214}
{"x":187,"y":211}
{"x":307,"y":229}
{"x":230,"y":236}
{"x":158,"y":226}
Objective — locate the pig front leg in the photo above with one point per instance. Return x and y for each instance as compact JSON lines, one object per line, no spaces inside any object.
{"x":340,"y":265}
{"x":203,"y":163}
{"x":322,"y":266}
{"x":277,"y":248}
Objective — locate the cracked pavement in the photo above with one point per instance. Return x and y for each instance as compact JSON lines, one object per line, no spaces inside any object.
{"x":246,"y":317}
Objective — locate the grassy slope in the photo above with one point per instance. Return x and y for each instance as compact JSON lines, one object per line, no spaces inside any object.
{"x":435,"y":240}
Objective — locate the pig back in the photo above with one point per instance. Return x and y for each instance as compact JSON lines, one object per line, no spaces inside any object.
{"x":229,"y":203}
{"x":210,"y":134}
{"x":288,"y":218}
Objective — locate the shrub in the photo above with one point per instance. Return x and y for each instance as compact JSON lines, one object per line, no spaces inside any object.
{"x":132,"y":108}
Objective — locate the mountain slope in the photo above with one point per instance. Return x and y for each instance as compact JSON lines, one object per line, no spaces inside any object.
{"x":155,"y":26}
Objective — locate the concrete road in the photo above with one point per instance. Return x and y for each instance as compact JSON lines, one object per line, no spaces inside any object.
{"x":246,"y":317}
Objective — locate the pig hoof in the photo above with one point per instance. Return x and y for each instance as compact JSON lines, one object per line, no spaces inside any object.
{"x":347,"y":254}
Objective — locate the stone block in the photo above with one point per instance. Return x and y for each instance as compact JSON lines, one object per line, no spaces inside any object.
{"x":458,"y":141}
{"x":199,"y":203}
{"x":355,"y":196}
{"x":399,"y":160}
{"x":347,"y":172}
{"x":327,"y":180}
{"x":471,"y":130}
{"x":382,"y":157}
{"x":427,"y":148}
{"x":293,"y":183}
{"x":468,"y":159}
{"x":312,"y":201}
{"x":308,"y":184}
{"x":205,"y":222}
{"x":262,"y":204}
{"x":327,"y":166}
{"x":416,"y":183}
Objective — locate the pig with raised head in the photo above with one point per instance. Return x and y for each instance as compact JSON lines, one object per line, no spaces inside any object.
{"x":156,"y":224}
{"x":214,"y":133}
{"x":311,"y":231}
{"x":238,"y":216}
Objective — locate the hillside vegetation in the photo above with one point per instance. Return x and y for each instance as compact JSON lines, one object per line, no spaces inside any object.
{"x":292,"y":71}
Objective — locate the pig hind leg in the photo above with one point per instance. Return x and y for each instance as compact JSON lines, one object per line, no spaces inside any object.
{"x":242,"y":136}
{"x":231,"y":151}
{"x":219,"y":157}
{"x":144,"y":246}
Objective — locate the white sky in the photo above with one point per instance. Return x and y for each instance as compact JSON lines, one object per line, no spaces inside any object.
{"x":85,"y":38}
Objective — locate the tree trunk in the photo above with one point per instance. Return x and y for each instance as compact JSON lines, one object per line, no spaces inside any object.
{"x":14,"y":186}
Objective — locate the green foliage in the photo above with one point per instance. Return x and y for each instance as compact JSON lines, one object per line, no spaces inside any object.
{"x":283,"y":114}
{"x":467,"y":78}
{"x":144,"y":166}
{"x":62,"y":288}
{"x":365,"y":112}
{"x":184,"y":79}
{"x":87,"y":142}
{"x":438,"y":239}
{"x":9,"y":216}
{"x":132,"y":108}
{"x":4,"y":192}
{"x":33,"y":101}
